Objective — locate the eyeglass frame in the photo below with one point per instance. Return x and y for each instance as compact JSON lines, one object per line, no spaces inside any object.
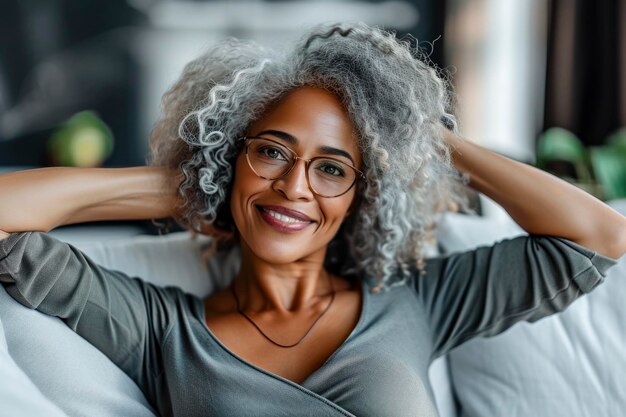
{"x":360,"y":175}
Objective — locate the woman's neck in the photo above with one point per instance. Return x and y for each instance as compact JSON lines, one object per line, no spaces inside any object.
{"x":281,"y":288}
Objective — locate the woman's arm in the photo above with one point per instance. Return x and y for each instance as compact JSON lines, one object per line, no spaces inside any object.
{"x":540,"y":202}
{"x":42,"y":199}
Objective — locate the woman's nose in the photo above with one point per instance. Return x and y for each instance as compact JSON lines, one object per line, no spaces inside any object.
{"x":294,"y":185}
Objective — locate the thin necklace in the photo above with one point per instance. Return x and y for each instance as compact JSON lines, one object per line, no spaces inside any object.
{"x":232,"y":288}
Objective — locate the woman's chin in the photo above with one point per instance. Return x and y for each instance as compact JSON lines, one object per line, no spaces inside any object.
{"x":280,"y":253}
{"x":277,"y":254}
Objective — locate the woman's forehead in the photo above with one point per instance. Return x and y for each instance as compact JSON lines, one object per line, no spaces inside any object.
{"x":314,"y":117}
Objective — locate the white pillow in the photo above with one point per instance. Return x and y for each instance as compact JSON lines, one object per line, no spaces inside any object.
{"x":440,"y":382}
{"x":19,"y":396}
{"x":173,"y":259}
{"x":568,"y":364}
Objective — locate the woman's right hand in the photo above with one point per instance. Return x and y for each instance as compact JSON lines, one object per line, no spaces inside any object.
{"x":44,"y":198}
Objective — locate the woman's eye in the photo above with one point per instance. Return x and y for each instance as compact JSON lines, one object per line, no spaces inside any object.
{"x":271,"y":152}
{"x":331,"y":169}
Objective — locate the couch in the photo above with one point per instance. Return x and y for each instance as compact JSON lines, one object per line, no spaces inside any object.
{"x":569,"y":364}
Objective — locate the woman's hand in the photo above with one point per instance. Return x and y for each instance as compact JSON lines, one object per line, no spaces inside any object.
{"x":538,"y":201}
{"x":45,"y":198}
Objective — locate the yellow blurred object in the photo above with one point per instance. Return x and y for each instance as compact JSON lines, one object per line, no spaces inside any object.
{"x":83,"y":141}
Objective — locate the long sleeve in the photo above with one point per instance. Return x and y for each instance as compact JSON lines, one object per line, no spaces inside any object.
{"x":123,"y":317}
{"x":484,"y":291}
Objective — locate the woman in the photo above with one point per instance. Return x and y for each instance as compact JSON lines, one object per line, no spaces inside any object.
{"x":326,"y":166}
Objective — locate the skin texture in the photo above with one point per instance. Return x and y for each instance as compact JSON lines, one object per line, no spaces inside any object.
{"x":282,"y":285}
{"x":42,"y":199}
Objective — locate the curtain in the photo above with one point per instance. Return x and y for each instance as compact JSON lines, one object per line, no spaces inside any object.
{"x":586,"y":68}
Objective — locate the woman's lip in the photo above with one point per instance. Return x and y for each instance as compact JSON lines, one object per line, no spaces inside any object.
{"x":280,"y":225}
{"x":288,"y":212}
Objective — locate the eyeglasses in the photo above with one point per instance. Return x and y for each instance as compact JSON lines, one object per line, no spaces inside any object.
{"x":327,"y":177}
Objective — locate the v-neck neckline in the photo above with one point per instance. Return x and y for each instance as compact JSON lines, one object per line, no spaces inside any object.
{"x":364,"y":308}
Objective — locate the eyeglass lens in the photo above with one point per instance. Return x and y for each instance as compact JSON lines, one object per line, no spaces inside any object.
{"x":327,"y":177}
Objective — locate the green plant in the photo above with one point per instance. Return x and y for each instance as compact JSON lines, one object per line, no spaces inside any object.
{"x":599,"y":170}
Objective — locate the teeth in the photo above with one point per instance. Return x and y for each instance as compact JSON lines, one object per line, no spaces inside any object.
{"x":282,"y":217}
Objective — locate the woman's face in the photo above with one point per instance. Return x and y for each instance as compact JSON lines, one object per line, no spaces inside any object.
{"x":319,"y":126}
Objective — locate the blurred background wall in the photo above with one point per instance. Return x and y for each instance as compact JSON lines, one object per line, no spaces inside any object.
{"x":81,"y":81}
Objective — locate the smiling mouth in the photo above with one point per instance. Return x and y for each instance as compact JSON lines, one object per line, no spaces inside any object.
{"x":282,"y":222}
{"x":282,"y":217}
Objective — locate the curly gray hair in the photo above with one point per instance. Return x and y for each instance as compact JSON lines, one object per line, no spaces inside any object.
{"x":396,"y":101}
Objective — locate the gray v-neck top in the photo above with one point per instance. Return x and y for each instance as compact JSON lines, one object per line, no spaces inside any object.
{"x":159,"y":338}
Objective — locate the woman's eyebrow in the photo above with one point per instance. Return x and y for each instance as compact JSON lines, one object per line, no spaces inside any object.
{"x":292,"y":140}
